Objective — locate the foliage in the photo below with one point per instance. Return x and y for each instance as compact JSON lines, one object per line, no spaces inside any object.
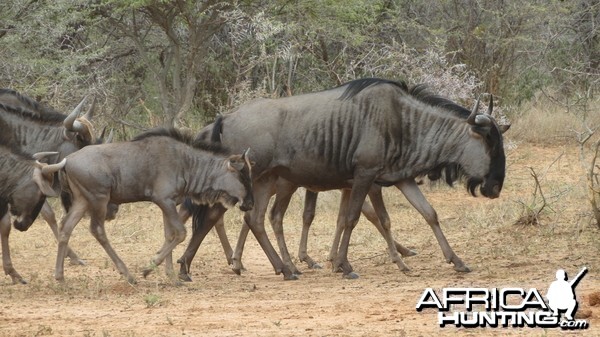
{"x":165,"y":62}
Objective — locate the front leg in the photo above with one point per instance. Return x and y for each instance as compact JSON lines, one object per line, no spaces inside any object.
{"x":176,"y":230}
{"x":204,"y":219}
{"x":413,"y":194}
{"x":50,"y":217}
{"x":255,"y":220}
{"x":6,"y":260}
{"x":360,"y":188}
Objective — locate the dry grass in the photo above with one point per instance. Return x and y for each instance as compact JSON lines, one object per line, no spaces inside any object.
{"x":545,"y":122}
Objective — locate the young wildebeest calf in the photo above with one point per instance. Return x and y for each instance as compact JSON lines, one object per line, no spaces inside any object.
{"x":24,"y":185}
{"x":163,"y":166}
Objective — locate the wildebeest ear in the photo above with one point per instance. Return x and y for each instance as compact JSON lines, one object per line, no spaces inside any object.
{"x":235,"y":163}
{"x":503,"y":128}
{"x":44,"y":184}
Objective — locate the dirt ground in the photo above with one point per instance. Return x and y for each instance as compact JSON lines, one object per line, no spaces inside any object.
{"x":96,"y":301}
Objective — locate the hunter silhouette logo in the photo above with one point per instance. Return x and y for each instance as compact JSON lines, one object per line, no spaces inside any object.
{"x":508,"y":307}
{"x":561,"y":294}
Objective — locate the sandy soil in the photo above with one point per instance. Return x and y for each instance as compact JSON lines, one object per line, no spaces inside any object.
{"x":96,"y":301}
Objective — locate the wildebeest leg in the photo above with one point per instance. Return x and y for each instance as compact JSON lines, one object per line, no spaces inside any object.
{"x":339,"y":228}
{"x":255,"y":220}
{"x":50,"y":218}
{"x":76,"y":212}
{"x":310,"y":204}
{"x":169,"y":258}
{"x":6,"y":260}
{"x":201,"y":227}
{"x":97,"y":216}
{"x":285,"y":190}
{"x":369,"y":213}
{"x":220,"y":229}
{"x":385,"y":223}
{"x":413,"y":194}
{"x":360,"y":188}
{"x":176,"y":232}
{"x":236,"y":257}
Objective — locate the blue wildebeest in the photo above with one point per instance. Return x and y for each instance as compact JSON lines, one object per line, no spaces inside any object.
{"x":163,"y":166}
{"x":37,"y":128}
{"x":24,"y":185}
{"x":285,"y":189}
{"x":368,"y":131}
{"x":31,"y":127}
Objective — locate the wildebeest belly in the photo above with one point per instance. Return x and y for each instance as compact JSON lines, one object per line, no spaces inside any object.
{"x":314,"y":177}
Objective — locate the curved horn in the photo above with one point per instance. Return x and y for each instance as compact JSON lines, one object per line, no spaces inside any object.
{"x":41,"y":155}
{"x":245,"y":154}
{"x":491,"y":106}
{"x":110,"y":137}
{"x":103,"y":132}
{"x":471,"y":119}
{"x":70,"y":120}
{"x":50,"y":169}
{"x":90,"y":113}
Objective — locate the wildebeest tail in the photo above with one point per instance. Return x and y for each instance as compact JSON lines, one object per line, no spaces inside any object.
{"x":65,"y":191}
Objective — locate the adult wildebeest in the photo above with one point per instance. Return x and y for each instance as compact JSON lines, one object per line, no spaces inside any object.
{"x":285,"y":189}
{"x":24,"y":185}
{"x":365,"y":132}
{"x":163,"y":166}
{"x":37,"y":128}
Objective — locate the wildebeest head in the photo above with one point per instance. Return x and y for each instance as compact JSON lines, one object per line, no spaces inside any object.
{"x":235,"y":182}
{"x":486,"y":153}
{"x":28,"y":198}
{"x":79,"y":130}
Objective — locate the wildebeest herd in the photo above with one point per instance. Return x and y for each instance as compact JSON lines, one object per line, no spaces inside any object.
{"x":359,"y":137}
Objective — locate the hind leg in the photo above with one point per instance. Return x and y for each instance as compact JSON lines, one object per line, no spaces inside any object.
{"x":310,"y":204}
{"x":371,"y":215}
{"x":285,"y":190}
{"x":384,"y":218}
{"x":339,"y":228}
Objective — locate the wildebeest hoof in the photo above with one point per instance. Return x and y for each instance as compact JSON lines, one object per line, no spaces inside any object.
{"x":409,"y":252}
{"x":351,"y":276}
{"x":462,"y":269}
{"x":316,"y":266}
{"x":77,"y":262}
{"x":19,"y":279}
{"x":238,"y":271}
{"x":185,"y":277}
{"x":131,"y":280}
{"x":147,"y":272}
{"x":292,"y":277}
